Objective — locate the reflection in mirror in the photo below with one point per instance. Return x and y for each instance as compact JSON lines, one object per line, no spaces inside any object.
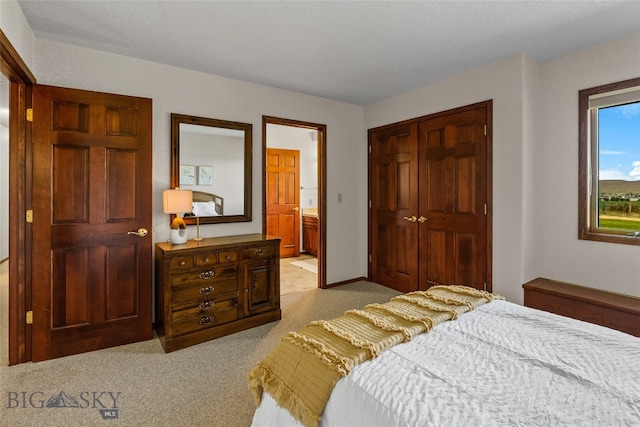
{"x":213,"y":159}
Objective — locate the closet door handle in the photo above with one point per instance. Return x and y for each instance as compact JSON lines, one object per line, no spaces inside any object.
{"x":412,"y":219}
{"x":421,"y":219}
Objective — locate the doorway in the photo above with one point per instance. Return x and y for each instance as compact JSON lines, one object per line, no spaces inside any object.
{"x":16,"y":275}
{"x":302,"y":267}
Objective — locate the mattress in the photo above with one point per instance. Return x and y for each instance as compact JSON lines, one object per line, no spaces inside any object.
{"x":501,"y":364}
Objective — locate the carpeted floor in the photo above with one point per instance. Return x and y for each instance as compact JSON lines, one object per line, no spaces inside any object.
{"x":140,"y":385}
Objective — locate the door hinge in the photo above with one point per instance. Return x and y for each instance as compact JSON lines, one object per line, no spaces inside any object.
{"x":29,"y":215}
{"x":29,"y":317}
{"x":485,"y":286}
{"x":369,"y":258}
{"x":485,"y":208}
{"x":369,"y":149}
{"x":30,"y":114}
{"x":485,"y":130}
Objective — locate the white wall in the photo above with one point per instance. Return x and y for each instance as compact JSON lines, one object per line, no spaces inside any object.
{"x":535,"y":163}
{"x":17,"y":29}
{"x":559,"y":254}
{"x":187,"y":92}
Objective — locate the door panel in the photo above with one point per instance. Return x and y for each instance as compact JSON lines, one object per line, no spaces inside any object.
{"x":283,"y":199}
{"x":453,"y":191}
{"x":92,"y":185}
{"x":394,"y":172}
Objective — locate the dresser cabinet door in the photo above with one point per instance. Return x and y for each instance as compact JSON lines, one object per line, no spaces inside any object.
{"x":259,"y":287}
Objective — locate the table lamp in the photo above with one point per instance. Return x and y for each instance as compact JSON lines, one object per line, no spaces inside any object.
{"x":176,"y":202}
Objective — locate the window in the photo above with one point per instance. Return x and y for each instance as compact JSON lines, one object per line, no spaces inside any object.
{"x":609,"y":190}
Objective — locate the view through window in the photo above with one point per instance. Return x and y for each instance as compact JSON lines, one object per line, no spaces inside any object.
{"x":609,"y":189}
{"x":619,"y":167}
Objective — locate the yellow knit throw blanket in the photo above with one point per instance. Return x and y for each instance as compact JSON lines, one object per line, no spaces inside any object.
{"x":302,"y":370}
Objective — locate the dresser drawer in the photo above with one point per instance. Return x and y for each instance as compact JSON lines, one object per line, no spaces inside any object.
{"x":193,"y":319}
{"x":181,"y":262}
{"x":260,"y":252}
{"x":194,"y":286}
{"x":228,"y":256}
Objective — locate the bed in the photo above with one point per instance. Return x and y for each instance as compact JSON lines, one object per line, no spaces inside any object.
{"x":207,"y":204}
{"x":500,"y":364}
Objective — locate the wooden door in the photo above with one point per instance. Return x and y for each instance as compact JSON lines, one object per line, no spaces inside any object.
{"x":91,"y":187}
{"x":283,"y":199}
{"x":429,"y":201}
{"x":453,"y":200}
{"x":393,"y":189}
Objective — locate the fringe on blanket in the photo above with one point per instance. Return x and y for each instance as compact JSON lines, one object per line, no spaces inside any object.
{"x":302,"y":370}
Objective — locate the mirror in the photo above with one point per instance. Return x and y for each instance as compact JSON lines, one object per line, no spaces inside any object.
{"x":213,"y":159}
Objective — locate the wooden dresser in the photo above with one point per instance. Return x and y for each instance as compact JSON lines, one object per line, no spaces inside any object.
{"x":215,"y":287}
{"x":616,"y":311}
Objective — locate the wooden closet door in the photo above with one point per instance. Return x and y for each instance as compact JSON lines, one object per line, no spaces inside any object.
{"x":429,"y":218}
{"x":91,"y":187}
{"x":453,"y":199}
{"x":393,"y":189}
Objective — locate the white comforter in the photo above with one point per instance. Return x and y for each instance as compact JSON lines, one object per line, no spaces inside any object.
{"x":499,"y":365}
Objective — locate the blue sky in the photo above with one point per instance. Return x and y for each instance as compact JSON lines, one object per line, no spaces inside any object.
{"x":619,"y":142}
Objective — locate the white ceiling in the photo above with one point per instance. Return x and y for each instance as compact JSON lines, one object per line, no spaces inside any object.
{"x":358,"y":52}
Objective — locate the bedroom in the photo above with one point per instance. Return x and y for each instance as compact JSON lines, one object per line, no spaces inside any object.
{"x":538,"y":160}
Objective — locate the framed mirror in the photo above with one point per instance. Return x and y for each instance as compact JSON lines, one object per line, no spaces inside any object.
{"x":213,"y":159}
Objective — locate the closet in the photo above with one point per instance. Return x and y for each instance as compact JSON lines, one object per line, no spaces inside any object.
{"x":430,"y":199}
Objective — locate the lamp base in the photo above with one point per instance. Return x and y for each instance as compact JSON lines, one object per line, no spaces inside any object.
{"x":178,"y":236}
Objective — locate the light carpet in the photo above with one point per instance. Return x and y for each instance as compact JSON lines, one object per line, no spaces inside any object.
{"x":140,"y":385}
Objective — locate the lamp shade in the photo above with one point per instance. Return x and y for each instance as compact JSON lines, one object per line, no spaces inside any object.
{"x":176,"y":201}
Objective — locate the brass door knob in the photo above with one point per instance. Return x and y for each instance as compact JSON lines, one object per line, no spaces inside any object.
{"x":140,"y":233}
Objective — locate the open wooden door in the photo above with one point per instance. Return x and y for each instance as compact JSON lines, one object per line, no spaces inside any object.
{"x":283,"y":199}
{"x":91,"y":203}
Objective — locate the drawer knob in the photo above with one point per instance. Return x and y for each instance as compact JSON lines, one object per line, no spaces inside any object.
{"x":205,"y":305}
{"x":228,"y":257}
{"x":207,"y":290}
{"x":207,"y":274}
{"x":182,"y":263}
{"x":205,"y":320}
{"x":259,"y":251}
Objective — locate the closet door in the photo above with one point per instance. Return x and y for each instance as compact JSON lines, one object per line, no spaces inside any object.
{"x":393,"y":189}
{"x":429,"y":195}
{"x":453,"y":199}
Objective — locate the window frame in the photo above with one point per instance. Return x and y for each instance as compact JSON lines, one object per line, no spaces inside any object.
{"x":587,"y":156}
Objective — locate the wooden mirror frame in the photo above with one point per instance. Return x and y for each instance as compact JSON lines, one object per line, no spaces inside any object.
{"x":176,"y":120}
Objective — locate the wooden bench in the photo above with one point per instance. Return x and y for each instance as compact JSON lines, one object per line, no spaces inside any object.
{"x":616,"y":311}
